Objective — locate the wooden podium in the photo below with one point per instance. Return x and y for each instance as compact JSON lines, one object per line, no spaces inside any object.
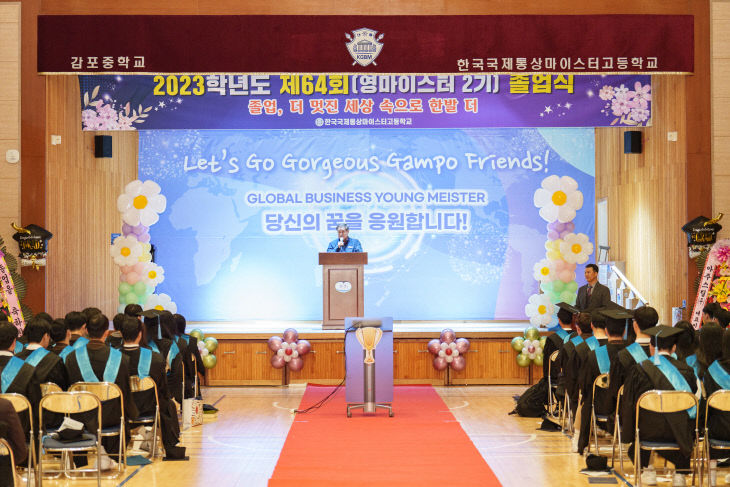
{"x":342,"y":287}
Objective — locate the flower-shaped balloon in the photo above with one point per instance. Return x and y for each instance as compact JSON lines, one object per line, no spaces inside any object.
{"x":152,"y":274}
{"x":288,"y":351}
{"x":539,"y":309}
{"x":141,"y":203}
{"x":160,"y":302}
{"x":558,"y":198}
{"x":449,"y":350}
{"x":576,"y":248}
{"x":126,"y":250}
{"x":528,"y":347}
{"x":544,"y":271}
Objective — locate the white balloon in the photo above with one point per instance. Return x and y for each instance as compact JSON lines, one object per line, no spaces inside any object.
{"x":280,"y":352}
{"x":532,"y":356}
{"x":442,"y":353}
{"x":444,"y":345}
{"x":204,"y":352}
{"x":455,"y":353}
{"x":449,"y":358}
{"x":294,"y":354}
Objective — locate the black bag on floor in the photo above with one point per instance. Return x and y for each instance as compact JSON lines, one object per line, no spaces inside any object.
{"x":532,"y":403}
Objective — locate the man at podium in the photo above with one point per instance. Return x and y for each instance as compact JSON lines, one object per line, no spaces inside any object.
{"x":343,"y":243}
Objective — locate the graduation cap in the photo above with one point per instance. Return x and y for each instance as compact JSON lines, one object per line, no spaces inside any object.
{"x":568,"y":307}
{"x":616,"y":315}
{"x":668,"y":334}
{"x":153,"y":313}
{"x":70,"y":431}
{"x":702,"y":230}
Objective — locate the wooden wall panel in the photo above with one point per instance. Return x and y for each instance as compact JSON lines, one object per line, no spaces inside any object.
{"x":9,"y":121}
{"x":720,"y":109}
{"x":81,"y":205}
{"x":646,"y":199}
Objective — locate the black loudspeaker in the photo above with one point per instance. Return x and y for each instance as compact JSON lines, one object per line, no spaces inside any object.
{"x":102,"y":146}
{"x":632,"y":142}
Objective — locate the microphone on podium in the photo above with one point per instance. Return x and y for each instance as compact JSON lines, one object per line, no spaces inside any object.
{"x":342,"y":242}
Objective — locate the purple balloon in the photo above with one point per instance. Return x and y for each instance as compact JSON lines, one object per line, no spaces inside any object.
{"x":439,"y":363}
{"x":274,"y":343}
{"x":303,"y":347}
{"x":434,"y":346}
{"x":277,"y":362}
{"x":290,"y":335}
{"x":144,"y":238}
{"x":462,"y":345}
{"x":127,"y":229}
{"x":296,"y":364}
{"x":459,"y":363}
{"x":140,"y":229}
{"x":448,"y":335}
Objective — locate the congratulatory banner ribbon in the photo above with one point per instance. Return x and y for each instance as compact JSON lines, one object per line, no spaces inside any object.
{"x":8,"y":295}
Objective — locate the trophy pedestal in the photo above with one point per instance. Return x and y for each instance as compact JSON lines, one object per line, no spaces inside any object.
{"x":369,"y":406}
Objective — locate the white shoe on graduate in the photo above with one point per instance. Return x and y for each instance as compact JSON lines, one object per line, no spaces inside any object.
{"x":574,"y":443}
{"x":648,"y":476}
{"x":678,"y":480}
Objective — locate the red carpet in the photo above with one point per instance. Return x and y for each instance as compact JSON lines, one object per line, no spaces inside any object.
{"x":422,"y":445}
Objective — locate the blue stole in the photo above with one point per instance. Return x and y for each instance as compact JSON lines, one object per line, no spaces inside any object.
{"x":557,"y":329}
{"x":145,"y":359}
{"x":604,"y":361}
{"x":153,"y":346}
{"x":35,"y":358}
{"x":692,"y":362}
{"x":10,"y":372}
{"x":592,"y":342}
{"x":675,"y":378}
{"x":576,"y":340}
{"x":186,"y":338}
{"x":18,"y":347}
{"x":719,"y":375}
{"x":174,"y":350}
{"x":110,"y":370}
{"x":80,"y":342}
{"x":637,"y":353}
{"x":65,"y":352}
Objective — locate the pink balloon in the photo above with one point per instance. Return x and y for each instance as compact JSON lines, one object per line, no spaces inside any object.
{"x":448,"y":335}
{"x":274,"y":343}
{"x":139,"y":267}
{"x":462,"y":345}
{"x":277,"y":362}
{"x":566,"y":276}
{"x":439,"y":363}
{"x":459,"y":363}
{"x":434,"y":346}
{"x":132,"y":277}
{"x":303,"y":347}
{"x":126,"y":269}
{"x":290,"y":335}
{"x":296,"y":364}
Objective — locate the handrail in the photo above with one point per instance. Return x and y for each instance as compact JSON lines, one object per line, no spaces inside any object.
{"x":628,"y":284}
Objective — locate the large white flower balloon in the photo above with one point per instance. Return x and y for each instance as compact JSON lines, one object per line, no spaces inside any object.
{"x":544,"y":271}
{"x":141,"y":203}
{"x":126,"y":250}
{"x":576,"y":248}
{"x":160,"y":302}
{"x":153,"y":274}
{"x":558,"y":199}
{"x":539,"y":309}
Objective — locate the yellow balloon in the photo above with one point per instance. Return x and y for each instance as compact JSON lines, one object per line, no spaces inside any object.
{"x":145,"y":257}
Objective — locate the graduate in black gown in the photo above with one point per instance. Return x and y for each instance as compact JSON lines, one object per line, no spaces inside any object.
{"x":567,"y":360}
{"x":716,"y":378}
{"x":674,"y":427}
{"x":60,"y":336}
{"x":158,"y":325}
{"x":599,"y":362}
{"x":169,"y":425}
{"x":191,"y":344}
{"x":562,"y":332}
{"x":99,"y":354}
{"x":644,"y":317}
{"x":114,"y":339}
{"x":48,"y":366}
{"x":76,"y":323}
{"x":21,"y":376}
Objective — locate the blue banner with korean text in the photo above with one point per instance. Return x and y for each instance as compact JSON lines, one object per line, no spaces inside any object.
{"x":363,"y":101}
{"x":447,"y":216}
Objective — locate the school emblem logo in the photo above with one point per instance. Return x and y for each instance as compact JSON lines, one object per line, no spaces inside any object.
{"x":364,"y":46}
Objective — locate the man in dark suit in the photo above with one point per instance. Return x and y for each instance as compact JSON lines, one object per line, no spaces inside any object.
{"x":594,"y":294}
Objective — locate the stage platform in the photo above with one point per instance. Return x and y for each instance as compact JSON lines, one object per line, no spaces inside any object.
{"x":263,"y":329}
